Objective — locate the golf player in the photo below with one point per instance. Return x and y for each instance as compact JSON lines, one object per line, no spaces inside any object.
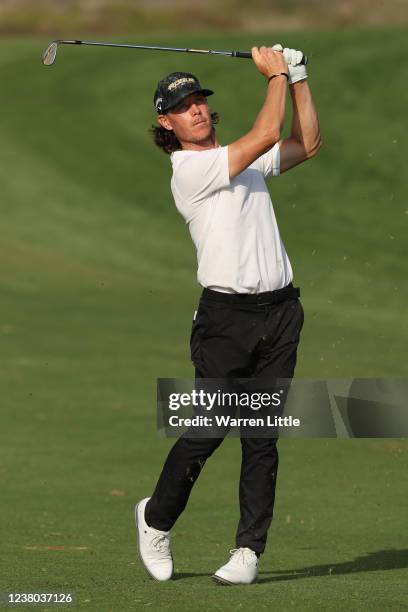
{"x":249,"y":317}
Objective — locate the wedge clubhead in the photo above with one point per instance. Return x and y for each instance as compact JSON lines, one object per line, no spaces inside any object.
{"x":49,"y":55}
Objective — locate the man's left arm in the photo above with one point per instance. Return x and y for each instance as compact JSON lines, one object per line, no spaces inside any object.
{"x":304,"y":141}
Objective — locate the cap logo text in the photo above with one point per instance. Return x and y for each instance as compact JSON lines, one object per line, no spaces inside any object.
{"x":179,"y":82}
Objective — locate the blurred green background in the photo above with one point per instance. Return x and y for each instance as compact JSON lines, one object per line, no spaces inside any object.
{"x":103,"y":16}
{"x":98,"y":291}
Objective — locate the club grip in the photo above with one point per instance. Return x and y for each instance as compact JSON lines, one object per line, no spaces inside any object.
{"x":247,"y":55}
{"x":244,"y":54}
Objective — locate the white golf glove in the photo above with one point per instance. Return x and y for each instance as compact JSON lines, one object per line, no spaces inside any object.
{"x":297,"y":71}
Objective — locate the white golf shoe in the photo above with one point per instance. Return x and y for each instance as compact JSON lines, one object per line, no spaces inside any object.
{"x":154,"y":546}
{"x":242,"y":568}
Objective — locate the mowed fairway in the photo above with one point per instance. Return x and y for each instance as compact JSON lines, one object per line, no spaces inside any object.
{"x":97,"y":294}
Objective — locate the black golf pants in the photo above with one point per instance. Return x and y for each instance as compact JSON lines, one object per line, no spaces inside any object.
{"x":234,"y":336}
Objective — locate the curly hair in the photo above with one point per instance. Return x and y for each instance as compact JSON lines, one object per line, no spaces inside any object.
{"x":167,"y":141}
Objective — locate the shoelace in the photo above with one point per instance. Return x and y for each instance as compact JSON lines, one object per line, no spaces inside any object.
{"x":243,"y":555}
{"x":161,"y":542}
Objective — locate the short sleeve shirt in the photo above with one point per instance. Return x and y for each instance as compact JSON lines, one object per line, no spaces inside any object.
{"x":231,"y":221}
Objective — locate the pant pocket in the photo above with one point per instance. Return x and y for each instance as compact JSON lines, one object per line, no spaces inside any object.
{"x":197,"y":332}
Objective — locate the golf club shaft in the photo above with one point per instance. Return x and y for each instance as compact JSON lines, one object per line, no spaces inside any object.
{"x":243,"y":54}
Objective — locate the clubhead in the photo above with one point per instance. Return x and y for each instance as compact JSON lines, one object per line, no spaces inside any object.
{"x":48,"y":57}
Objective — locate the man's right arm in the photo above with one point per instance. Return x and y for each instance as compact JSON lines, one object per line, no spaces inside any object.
{"x":266,"y":130}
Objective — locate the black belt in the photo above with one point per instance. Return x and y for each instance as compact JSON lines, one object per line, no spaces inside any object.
{"x":268,"y":297}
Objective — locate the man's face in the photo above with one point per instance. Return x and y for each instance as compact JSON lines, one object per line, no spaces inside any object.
{"x":190,"y":119}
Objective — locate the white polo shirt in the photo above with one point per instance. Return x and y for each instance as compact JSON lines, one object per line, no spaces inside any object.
{"x":231,"y":221}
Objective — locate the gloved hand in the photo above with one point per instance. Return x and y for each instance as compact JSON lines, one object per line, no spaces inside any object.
{"x":297,"y":71}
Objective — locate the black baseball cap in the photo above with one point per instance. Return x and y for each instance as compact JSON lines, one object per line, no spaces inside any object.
{"x":174,"y":87}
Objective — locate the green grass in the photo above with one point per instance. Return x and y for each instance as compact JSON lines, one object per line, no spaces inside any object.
{"x":97,"y":293}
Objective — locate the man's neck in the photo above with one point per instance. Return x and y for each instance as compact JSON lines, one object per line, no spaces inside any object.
{"x":209,"y":143}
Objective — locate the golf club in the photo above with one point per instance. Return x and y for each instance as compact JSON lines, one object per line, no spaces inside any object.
{"x":49,"y":55}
